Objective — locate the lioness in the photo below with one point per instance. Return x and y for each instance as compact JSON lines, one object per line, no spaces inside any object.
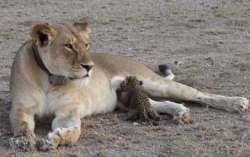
{"x":88,"y":84}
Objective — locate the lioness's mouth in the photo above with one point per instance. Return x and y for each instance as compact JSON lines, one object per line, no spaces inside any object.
{"x":78,"y":78}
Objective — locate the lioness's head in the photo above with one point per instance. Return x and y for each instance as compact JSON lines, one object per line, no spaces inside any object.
{"x":64,"y":48}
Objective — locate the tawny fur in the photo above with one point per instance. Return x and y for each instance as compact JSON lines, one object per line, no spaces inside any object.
{"x":91,"y":92}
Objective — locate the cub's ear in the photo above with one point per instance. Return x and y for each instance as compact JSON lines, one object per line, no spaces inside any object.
{"x":141,"y":83}
{"x":83,"y":28}
{"x":43,"y":34}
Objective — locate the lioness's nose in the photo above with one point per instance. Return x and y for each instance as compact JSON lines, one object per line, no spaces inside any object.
{"x":87,"y":67}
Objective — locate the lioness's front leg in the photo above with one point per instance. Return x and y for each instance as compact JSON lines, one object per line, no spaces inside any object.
{"x":22,"y":125}
{"x":66,"y":129}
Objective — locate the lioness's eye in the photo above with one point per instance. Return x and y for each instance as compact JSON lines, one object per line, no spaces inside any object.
{"x":69,"y":46}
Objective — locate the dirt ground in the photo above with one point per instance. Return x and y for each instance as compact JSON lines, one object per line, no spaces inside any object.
{"x":209,"y":41}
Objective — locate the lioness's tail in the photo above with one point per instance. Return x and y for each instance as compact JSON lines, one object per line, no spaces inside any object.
{"x":165,"y":71}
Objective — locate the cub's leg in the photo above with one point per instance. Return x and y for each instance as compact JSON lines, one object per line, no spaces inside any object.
{"x":178,"y":111}
{"x":132,"y":115}
{"x":160,"y":87}
{"x":22,"y":125}
{"x":66,"y":129}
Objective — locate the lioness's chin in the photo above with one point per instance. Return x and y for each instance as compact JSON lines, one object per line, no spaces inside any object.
{"x":81,"y":82}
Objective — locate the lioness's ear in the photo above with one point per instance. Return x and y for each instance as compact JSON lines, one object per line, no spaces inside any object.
{"x":43,"y":34}
{"x":83,"y":28}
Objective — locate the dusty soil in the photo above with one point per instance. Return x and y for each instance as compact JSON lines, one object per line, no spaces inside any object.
{"x":208,"y":39}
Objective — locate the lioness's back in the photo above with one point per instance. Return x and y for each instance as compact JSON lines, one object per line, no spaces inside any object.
{"x":118,"y":65}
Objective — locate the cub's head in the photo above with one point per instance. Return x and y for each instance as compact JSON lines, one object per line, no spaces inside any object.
{"x":131,"y":83}
{"x":64,"y":49}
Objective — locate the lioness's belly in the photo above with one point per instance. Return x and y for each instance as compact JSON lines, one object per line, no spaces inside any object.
{"x":98,"y":96}
{"x":86,"y":100}
{"x":102,"y":100}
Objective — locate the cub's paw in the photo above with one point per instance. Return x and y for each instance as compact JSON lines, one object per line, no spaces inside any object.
{"x":22,"y":144}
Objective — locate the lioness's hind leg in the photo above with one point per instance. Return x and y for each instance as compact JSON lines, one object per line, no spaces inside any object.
{"x":179,"y":112}
{"x":230,"y":104}
{"x":160,"y":87}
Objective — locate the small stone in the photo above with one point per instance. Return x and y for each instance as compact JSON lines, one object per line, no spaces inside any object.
{"x":177,"y":62}
{"x":135,"y":123}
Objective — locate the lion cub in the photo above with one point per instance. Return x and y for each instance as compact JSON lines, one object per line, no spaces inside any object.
{"x":137,"y":101}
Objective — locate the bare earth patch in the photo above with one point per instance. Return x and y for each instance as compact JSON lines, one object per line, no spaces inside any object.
{"x":206,"y":43}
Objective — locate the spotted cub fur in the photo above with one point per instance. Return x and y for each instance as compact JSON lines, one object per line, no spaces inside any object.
{"x":137,"y":101}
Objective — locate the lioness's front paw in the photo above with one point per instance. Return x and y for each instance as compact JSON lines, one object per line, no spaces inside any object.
{"x":49,"y":143}
{"x":22,"y":143}
{"x":45,"y":145}
{"x":239,"y":104}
